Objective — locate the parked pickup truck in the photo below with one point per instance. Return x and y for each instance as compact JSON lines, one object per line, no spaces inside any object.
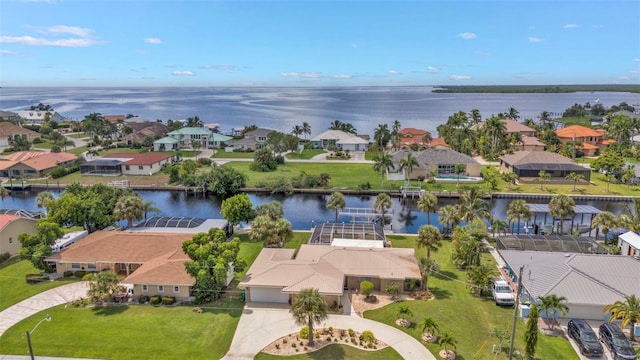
{"x":502,"y":293}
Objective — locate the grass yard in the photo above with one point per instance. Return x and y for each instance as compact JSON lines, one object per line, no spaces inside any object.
{"x":221,"y":154}
{"x":471,"y":320}
{"x":14,"y":286}
{"x":78,"y":150}
{"x":305,"y":155}
{"x":79,"y":135}
{"x":127,"y":332}
{"x":158,"y":179}
{"x":338,"y":352}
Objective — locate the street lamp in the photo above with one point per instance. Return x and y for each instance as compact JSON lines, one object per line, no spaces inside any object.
{"x":47,"y":318}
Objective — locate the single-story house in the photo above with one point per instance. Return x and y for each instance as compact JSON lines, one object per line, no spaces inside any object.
{"x":127,"y":164}
{"x":587,"y":281}
{"x":153,"y":263}
{"x":166,"y":144}
{"x":39,"y":117}
{"x":369,"y":235}
{"x":629,"y":244}
{"x":528,"y":164}
{"x":11,"y":226}
{"x":251,"y":141}
{"x":277,"y":275}
{"x":142,"y":131}
{"x":339,"y":140}
{"x":10,"y":131}
{"x":592,"y":139}
{"x":9,"y":116}
{"x":33,"y":163}
{"x":442,"y":161}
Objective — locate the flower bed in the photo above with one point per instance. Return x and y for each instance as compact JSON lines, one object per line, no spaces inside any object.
{"x":293,"y":344}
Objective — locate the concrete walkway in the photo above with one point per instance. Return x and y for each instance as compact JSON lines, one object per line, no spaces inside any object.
{"x":42,"y":301}
{"x":262,"y":324}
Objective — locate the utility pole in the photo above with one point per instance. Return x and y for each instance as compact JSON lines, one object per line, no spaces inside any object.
{"x":30,"y":348}
{"x":515,"y":312}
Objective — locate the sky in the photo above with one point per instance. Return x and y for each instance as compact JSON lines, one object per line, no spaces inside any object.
{"x":318,"y":43}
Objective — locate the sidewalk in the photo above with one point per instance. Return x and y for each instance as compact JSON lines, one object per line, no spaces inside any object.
{"x":42,"y":301}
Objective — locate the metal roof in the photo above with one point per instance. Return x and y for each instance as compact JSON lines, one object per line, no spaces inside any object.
{"x":171,"y":222}
{"x":23,"y":213}
{"x":326,"y":232}
{"x":551,"y":243}
{"x":578,"y":209}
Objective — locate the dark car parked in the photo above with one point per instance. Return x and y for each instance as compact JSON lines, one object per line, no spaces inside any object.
{"x":585,"y":337}
{"x":613,"y":337}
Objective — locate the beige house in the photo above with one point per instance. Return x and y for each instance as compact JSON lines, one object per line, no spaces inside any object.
{"x":277,"y":275}
{"x":10,"y":131}
{"x":33,"y":163}
{"x":141,"y":164}
{"x":153,"y":263}
{"x":592,"y":140}
{"x":11,"y":226}
{"x":440,"y":161}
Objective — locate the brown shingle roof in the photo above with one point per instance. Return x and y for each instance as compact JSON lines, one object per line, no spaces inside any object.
{"x":535,"y":157}
{"x":7,"y":129}
{"x":513,"y":126}
{"x":165,"y":269}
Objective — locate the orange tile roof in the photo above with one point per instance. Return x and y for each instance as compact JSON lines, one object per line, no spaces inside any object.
{"x":165,"y":269}
{"x":5,"y":164}
{"x":577,"y":131}
{"x":49,"y":160}
{"x":587,"y":146}
{"x":412,"y":131}
{"x":607,"y":141}
{"x":438,"y":142}
{"x":24,"y":155}
{"x":140,"y":158}
{"x":6,"y":219}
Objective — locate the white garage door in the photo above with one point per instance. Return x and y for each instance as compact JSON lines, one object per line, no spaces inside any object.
{"x":273,"y":295}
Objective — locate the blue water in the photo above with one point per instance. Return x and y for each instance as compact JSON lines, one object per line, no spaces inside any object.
{"x":282,"y":108}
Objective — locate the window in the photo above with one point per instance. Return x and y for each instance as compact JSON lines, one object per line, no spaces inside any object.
{"x":75,"y":266}
{"x":160,"y":288}
{"x":123,"y":267}
{"x":127,"y":167}
{"x":91,"y":266}
{"x":176,"y":289}
{"x":10,"y":240}
{"x":145,"y":287}
{"x":140,"y":167}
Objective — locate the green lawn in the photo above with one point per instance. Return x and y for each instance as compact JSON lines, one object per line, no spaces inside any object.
{"x":14,"y":287}
{"x":79,"y":136}
{"x":338,"y":352}
{"x":78,"y":150}
{"x":221,"y":154}
{"x":583,"y":121}
{"x":469,"y":319}
{"x":306,"y":154}
{"x":128,"y":332}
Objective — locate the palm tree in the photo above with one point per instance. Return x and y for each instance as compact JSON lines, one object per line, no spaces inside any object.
{"x":630,"y":218}
{"x":404,"y":312}
{"x":194,"y":121}
{"x":428,"y":325}
{"x":429,"y":237}
{"x":576,"y":178}
{"x":496,"y":129}
{"x":447,"y":341}
{"x":381,"y":136}
{"x":554,"y":304}
{"x":627,"y":310}
{"x":4,"y":192}
{"x":498,"y":225}
{"x":297,"y":131}
{"x":543,"y":176}
{"x":475,"y":116}
{"x":427,"y":267}
{"x":449,"y":217}
{"x":561,"y":207}
{"x":129,"y":207}
{"x":309,"y":308}
{"x":306,"y":129}
{"x":518,"y":210}
{"x":336,"y":202}
{"x":395,"y":133}
{"x":428,"y":203}
{"x":426,"y":139}
{"x":605,"y":220}
{"x":44,"y":199}
{"x":472,"y":205}
{"x":513,"y":114}
{"x":382,"y":203}
{"x":408,"y":163}
{"x":149,"y":207}
{"x":382,"y":163}
{"x":459,"y":169}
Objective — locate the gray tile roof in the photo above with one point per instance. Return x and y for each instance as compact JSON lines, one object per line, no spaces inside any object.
{"x":434,"y":157}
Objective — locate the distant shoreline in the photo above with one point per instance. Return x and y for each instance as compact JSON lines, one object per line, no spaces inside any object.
{"x":544,"y":89}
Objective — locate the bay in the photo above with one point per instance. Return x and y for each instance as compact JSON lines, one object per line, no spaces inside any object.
{"x":280,"y":108}
{"x":302,"y":210}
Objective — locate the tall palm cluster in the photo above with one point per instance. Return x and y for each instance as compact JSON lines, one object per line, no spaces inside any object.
{"x":96,"y":125}
{"x":342,"y":126}
{"x":304,"y":129}
{"x":468,"y":134}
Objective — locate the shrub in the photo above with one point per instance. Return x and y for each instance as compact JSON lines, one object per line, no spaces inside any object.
{"x":36,"y":278}
{"x":204,"y":162}
{"x":155,"y":300}
{"x":343,"y":332}
{"x":351,"y":333}
{"x":328,"y":338}
{"x":284,"y":341}
{"x":366,"y":288}
{"x":143,"y":299}
{"x":279,"y":159}
{"x":79,"y":273}
{"x":88,"y":277}
{"x":367,"y":337}
{"x":68,"y":273}
{"x":4,"y":257}
{"x":365,"y":186}
{"x":393,"y":289}
{"x":168,"y":300}
{"x":304,"y":333}
{"x":58,"y":172}
{"x":294,"y":345}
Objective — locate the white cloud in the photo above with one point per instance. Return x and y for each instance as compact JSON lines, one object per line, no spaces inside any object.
{"x":622,"y":78}
{"x":636,"y":59}
{"x":83,"y":37}
{"x":355,"y":46}
{"x":394,"y":72}
{"x":433,"y":69}
{"x":218,"y":67}
{"x":8,"y":52}
{"x":154,"y":41}
{"x":308,"y":75}
{"x":87,"y":79}
{"x":459,"y":77}
{"x":182,"y":73}
{"x":342,"y":76}
{"x":533,"y":39}
{"x":467,"y":35}
{"x":635,"y":71}
{"x":142,"y":52}
{"x":571,"y":26}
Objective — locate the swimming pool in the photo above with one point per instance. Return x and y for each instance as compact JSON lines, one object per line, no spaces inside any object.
{"x":449,"y":178}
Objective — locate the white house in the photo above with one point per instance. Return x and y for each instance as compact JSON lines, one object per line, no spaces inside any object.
{"x":39,"y":117}
{"x":629,"y":244}
{"x":340,"y":140}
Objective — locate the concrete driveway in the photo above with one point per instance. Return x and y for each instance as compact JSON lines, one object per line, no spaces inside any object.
{"x":42,"y":301}
{"x":261,"y":324}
